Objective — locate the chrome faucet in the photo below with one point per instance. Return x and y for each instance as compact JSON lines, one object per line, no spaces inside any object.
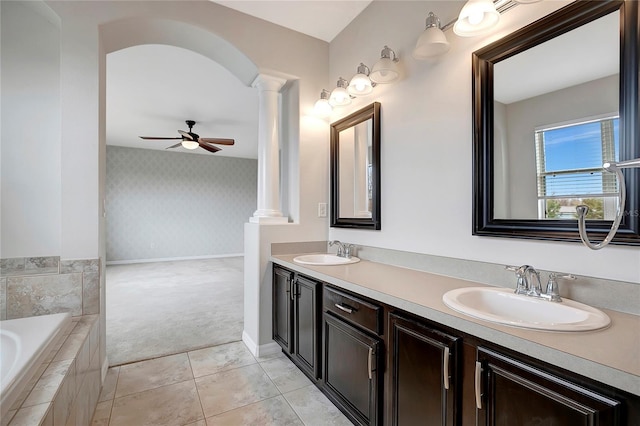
{"x":528,"y":283}
{"x":525,"y":273}
{"x":341,"y":248}
{"x":344,"y":249}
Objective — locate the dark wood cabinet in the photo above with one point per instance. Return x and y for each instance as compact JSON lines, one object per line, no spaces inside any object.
{"x":306,"y":325}
{"x":296,"y":319}
{"x":352,"y":370}
{"x":381,"y":365}
{"x":511,"y":392}
{"x":424,"y":374}
{"x":282,"y":305}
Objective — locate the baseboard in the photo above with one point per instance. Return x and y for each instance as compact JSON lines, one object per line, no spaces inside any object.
{"x":261,"y":350}
{"x":171,"y":259}
{"x":105,"y":367}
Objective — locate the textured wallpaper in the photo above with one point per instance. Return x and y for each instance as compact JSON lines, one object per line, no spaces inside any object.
{"x":167,"y":204}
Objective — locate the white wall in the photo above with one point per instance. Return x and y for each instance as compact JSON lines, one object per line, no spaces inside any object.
{"x":172,"y":205}
{"x":30,"y":122}
{"x":426,"y":145}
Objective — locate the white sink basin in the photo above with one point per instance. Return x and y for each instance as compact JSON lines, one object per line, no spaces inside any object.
{"x":324,"y":259}
{"x":503,"y":306}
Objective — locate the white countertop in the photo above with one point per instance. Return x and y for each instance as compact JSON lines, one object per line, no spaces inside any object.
{"x":611,"y":355}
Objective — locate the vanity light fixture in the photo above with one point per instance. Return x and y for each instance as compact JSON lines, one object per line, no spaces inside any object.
{"x":360,"y":83}
{"x":340,"y":96}
{"x":322,"y":106}
{"x":432,"y":42}
{"x":189,"y":144}
{"x":385,"y":70}
{"x":476,"y":17}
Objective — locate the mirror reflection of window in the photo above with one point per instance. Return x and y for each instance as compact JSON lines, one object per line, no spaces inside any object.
{"x":564,"y":80}
{"x":565,"y":180}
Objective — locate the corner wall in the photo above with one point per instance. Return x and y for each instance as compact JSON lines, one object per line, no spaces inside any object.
{"x":426,"y":145}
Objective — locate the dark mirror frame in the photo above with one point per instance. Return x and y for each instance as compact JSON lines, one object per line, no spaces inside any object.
{"x":483,"y":60}
{"x":369,"y":112}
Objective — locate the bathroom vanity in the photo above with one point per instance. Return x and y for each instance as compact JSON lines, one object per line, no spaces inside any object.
{"x":381,"y":345}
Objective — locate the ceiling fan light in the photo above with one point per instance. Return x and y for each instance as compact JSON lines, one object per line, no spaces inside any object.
{"x":190,"y":144}
{"x":476,"y":17}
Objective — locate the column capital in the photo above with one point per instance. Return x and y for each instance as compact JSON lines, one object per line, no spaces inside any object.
{"x":268,"y":83}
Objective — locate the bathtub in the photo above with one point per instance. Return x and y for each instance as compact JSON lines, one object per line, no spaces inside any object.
{"x":24,"y":346}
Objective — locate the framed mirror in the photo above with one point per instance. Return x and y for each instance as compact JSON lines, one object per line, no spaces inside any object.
{"x":552,"y":102}
{"x":355,"y":169}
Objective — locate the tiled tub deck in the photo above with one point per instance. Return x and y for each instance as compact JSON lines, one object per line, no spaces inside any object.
{"x":65,"y":389}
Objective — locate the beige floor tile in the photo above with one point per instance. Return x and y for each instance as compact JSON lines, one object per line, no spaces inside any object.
{"x":269,"y":357}
{"x":102,"y":414}
{"x":109,"y":386}
{"x":285,"y":375}
{"x":314,"y":408}
{"x":220,"y":358}
{"x":151,"y":374}
{"x":270,"y":412}
{"x":170,"y":405}
{"x":231,"y":389}
{"x":198,"y":423}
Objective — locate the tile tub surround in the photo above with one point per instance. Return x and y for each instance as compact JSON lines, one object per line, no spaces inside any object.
{"x":66,"y":387}
{"x":31,"y":286}
{"x":218,"y":385}
{"x":611,"y":356}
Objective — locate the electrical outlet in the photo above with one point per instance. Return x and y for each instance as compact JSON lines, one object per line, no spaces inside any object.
{"x":322,"y":209}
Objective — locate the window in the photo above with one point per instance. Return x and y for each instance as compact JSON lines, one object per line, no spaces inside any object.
{"x":566,"y":180}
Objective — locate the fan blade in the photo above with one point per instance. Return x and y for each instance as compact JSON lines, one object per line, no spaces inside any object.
{"x":218,"y":141}
{"x":209,"y":148}
{"x":186,"y":134}
{"x":174,"y":146}
{"x":154,"y":137}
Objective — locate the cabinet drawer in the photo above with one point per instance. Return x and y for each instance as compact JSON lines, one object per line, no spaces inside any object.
{"x":353,"y":309}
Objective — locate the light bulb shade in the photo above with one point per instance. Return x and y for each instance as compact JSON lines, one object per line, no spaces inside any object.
{"x":432,"y":42}
{"x":476,"y":17}
{"x":339,"y":97}
{"x":190,"y":144}
{"x":322,"y":108}
{"x":360,"y":85}
{"x":384,"y":71}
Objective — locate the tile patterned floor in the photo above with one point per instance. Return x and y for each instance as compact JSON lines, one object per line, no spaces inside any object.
{"x":219,"y":385}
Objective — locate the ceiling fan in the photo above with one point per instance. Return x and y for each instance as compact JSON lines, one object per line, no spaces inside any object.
{"x":191,"y":140}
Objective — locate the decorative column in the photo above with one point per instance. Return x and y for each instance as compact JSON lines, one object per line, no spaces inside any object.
{"x":268,"y":153}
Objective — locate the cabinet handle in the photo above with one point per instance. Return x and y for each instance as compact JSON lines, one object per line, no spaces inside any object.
{"x":344,"y":308}
{"x":446,"y":368}
{"x":478,"y":379}
{"x":292,"y":293}
{"x":369,"y":362}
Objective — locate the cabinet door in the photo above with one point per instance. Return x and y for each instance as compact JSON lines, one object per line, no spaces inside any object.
{"x":306,"y":336}
{"x":514,"y":393}
{"x":352,"y":370}
{"x":424,"y":382}
{"x":282,"y":303}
